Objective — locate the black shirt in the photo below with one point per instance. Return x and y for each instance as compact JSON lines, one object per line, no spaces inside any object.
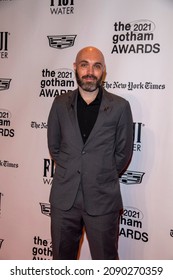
{"x":87,"y":114}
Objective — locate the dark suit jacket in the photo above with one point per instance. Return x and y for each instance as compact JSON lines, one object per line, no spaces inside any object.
{"x":95,"y":164}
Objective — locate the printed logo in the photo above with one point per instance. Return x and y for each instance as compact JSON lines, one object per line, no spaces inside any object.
{"x":48,"y":171}
{"x":0,"y":201}
{"x":131,"y":177}
{"x":37,"y":125}
{"x":1,"y":241}
{"x":135,"y":87}
{"x":171,"y":232}
{"x":42,"y":248}
{"x":61,"y":41}
{"x":62,"y":7}
{"x":45,"y":209}
{"x":131,"y":224}
{"x":6,"y":163}
{"x":4,"y":84}
{"x":136,"y":37}
{"x":5,"y":124}
{"x":4,"y":38}
{"x":137,"y":136}
{"x":57,"y":82}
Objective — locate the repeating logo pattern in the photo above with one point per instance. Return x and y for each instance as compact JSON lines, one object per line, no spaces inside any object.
{"x":4,"y":44}
{"x":45,"y":208}
{"x":62,"y":7}
{"x":4,"y":84}
{"x":131,"y":177}
{"x":5,"y":123}
{"x":136,"y":37}
{"x":61,"y":41}
{"x":1,"y":241}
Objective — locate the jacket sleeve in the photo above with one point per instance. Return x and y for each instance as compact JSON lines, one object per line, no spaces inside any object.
{"x":54,"y":132}
{"x":124,"y":139}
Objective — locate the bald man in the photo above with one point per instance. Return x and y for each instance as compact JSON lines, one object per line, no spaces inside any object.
{"x":90,"y":136}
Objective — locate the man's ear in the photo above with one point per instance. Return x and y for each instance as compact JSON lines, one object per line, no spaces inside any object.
{"x":74,"y":65}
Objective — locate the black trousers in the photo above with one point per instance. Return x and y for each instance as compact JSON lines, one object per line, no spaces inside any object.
{"x":67,"y":228}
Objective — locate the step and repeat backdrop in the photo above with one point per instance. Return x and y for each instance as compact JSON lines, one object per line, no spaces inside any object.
{"x":38,"y":44}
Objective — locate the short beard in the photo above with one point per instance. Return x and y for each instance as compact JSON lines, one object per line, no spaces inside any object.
{"x":88,"y":86}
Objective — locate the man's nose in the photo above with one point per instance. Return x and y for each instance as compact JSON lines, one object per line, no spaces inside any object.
{"x":90,"y":70}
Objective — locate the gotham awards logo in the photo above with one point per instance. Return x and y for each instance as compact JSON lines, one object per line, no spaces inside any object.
{"x":5,"y":123}
{"x":132,"y":224}
{"x":42,"y":249}
{"x":136,"y":37}
{"x":56,"y":82}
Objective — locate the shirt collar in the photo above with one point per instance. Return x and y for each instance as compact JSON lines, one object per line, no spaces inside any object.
{"x":97,"y":100}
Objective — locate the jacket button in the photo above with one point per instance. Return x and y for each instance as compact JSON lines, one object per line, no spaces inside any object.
{"x":78,"y":171}
{"x":83,"y":152}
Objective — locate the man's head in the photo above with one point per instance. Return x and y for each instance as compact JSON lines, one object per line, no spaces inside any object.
{"x":89,"y":68}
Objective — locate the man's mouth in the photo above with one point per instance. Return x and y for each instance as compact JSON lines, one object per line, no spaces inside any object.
{"x":89,"y":78}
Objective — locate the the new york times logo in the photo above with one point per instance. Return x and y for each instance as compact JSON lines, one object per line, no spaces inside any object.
{"x":62,"y":7}
{"x":171,"y":232}
{"x":131,"y":177}
{"x":45,"y":208}
{"x":48,"y":171}
{"x":135,"y":87}
{"x":6,"y":163}
{"x":42,"y":125}
{"x":61,"y":41}
{"x":4,"y":38}
{"x":4,"y":84}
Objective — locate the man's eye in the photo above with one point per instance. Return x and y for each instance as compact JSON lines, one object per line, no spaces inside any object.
{"x":83,"y":65}
{"x":97,"y":66}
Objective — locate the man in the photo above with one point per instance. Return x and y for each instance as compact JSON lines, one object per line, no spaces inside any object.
{"x":90,"y":135}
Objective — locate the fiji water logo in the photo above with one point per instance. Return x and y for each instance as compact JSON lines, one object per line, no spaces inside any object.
{"x":62,"y":7}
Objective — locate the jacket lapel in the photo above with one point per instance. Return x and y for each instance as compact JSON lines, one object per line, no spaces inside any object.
{"x":104,"y":111}
{"x":72,"y":110}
